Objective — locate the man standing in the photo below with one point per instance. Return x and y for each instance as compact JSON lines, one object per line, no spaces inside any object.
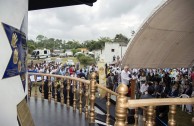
{"x":125,"y":76}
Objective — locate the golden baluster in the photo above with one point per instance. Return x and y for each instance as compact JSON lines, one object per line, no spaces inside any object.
{"x":42,"y":87}
{"x":150,"y":113}
{"x":68,"y":90}
{"x":49,"y":88}
{"x":29,"y":87}
{"x":108,"y":109}
{"x":87,"y":100}
{"x":61,"y":92}
{"x":136,"y":117}
{"x":80,"y":97}
{"x":55,"y":86}
{"x":120,"y":112}
{"x":144,"y":116}
{"x":92,"y":97}
{"x":35,"y":78}
{"x":74,"y":95}
{"x":172,"y":112}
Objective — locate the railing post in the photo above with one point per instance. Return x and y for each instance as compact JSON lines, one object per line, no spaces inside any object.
{"x":61,"y":92}
{"x":172,"y":112}
{"x":68,"y":90}
{"x":136,"y":117}
{"x":87,"y":100}
{"x":74,"y":95}
{"x":144,"y":117}
{"x":121,"y":112}
{"x":92,"y":97}
{"x":150,"y":113}
{"x":42,"y":87}
{"x":108,"y":109}
{"x":80,"y":97}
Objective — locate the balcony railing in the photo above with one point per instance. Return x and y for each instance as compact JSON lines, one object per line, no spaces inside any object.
{"x":87,"y":89}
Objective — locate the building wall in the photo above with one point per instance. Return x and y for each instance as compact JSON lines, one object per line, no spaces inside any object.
{"x":113,"y":49}
{"x":13,"y":13}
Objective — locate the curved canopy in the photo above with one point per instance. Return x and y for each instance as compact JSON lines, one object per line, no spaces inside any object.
{"x":166,"y":40}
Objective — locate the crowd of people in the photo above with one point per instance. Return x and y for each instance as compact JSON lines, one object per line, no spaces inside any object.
{"x":150,"y":83}
{"x":160,"y":83}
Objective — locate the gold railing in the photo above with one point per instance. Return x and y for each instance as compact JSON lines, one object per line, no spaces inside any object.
{"x":122,"y":104}
{"x":87,"y":90}
{"x":87,"y":86}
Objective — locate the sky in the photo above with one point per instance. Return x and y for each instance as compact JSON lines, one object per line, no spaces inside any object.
{"x":105,"y":18}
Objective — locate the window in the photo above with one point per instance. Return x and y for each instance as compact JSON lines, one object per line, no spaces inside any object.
{"x":112,"y":50}
{"x":45,"y":51}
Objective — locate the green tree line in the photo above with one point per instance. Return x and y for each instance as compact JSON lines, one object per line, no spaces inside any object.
{"x":42,"y":42}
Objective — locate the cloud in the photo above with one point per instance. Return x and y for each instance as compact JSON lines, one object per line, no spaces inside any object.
{"x":105,"y":19}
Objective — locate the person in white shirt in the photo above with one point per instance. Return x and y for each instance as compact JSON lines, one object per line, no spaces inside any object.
{"x":144,"y":88}
{"x":125,"y":76}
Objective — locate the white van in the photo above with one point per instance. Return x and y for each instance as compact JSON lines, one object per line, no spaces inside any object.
{"x":41,"y":53}
{"x":68,"y":53}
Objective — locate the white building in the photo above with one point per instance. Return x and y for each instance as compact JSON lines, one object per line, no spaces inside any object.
{"x":110,"y":50}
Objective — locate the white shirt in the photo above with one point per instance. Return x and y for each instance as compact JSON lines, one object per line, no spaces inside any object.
{"x":144,"y":88}
{"x":125,"y":77}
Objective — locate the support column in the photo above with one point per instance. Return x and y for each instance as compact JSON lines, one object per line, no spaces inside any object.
{"x":13,"y":52}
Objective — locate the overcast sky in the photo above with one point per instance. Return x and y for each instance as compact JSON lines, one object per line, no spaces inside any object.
{"x":105,"y":18}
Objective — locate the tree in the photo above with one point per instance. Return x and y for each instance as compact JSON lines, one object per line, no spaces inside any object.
{"x":31,"y":46}
{"x":121,"y":38}
{"x":85,"y":60}
{"x":39,"y":38}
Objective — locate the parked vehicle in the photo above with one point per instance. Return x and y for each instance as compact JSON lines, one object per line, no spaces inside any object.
{"x":69,"y":53}
{"x":54,"y":54}
{"x":41,"y":53}
{"x":61,"y":55}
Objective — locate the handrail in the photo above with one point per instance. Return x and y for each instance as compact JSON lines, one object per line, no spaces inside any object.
{"x":122,"y":102}
{"x":106,"y":89}
{"x":89,"y":92}
{"x":60,"y":76}
{"x":158,"y":102}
